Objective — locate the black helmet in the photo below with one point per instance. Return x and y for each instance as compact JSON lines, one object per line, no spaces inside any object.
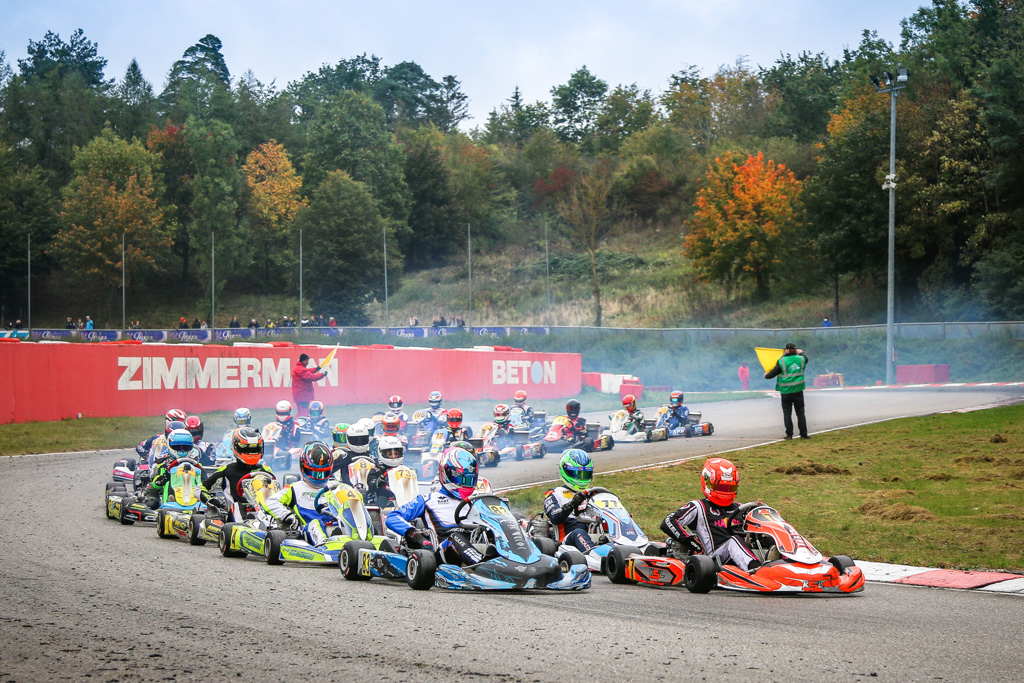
{"x":572,"y":408}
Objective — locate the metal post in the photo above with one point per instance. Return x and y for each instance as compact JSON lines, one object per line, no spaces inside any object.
{"x":469,"y":254}
{"x":891,"y":288}
{"x":30,"y":281}
{"x":123,"y":318}
{"x":213,"y":287}
{"x":387,"y":322}
{"x":547,"y":270}
{"x":300,"y":279}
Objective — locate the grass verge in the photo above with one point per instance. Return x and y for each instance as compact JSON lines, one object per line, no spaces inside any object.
{"x":938,"y":491}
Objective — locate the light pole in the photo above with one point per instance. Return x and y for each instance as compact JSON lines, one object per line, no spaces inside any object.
{"x":387,"y":320}
{"x":892,"y":85}
{"x":547,"y":270}
{"x":469,"y":259}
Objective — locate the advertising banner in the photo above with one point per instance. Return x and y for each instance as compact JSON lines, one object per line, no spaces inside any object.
{"x":40,"y":382}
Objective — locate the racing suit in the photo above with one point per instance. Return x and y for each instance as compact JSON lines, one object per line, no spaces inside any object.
{"x":290,"y":437}
{"x":157,"y":491}
{"x":296,"y":503}
{"x":575,"y":435}
{"x":460,"y":434}
{"x":321,"y":428}
{"x":678,"y":417}
{"x":562,"y":507}
{"x":437,"y":511}
{"x":378,"y":492}
{"x":146,"y":447}
{"x":207,"y":453}
{"x":343,"y":457}
{"x":700,"y":526}
{"x":232,"y":474}
{"x":634,"y":422}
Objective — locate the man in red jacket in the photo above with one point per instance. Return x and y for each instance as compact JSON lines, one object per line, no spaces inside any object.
{"x":302,"y":383}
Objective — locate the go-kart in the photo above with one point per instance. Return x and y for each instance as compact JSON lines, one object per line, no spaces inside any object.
{"x":255,"y":492}
{"x":790,"y":563}
{"x":693,"y":426}
{"x":520,"y":420}
{"x":492,"y":446}
{"x":509,"y":559}
{"x":559,"y":437}
{"x":279,"y":459}
{"x":177,"y":508}
{"x":251,"y":491}
{"x":609,"y":524}
{"x":623,"y":430}
{"x":128,"y":474}
{"x":277,"y":546}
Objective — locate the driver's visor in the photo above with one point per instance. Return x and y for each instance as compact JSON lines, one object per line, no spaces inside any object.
{"x":181,"y":447}
{"x":579,"y":473}
{"x":466,"y":477}
{"x":392,"y":453}
{"x":357,"y":440}
{"x":249,"y":449}
{"x":725,"y":487}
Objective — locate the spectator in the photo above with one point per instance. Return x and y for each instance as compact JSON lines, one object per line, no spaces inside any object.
{"x":183,"y":325}
{"x":88,"y":323}
{"x":70,"y":325}
{"x":414,"y":321}
{"x":291,"y":321}
{"x":332,"y":322}
{"x":826,"y":323}
{"x":270,"y":324}
{"x":137,"y":325}
{"x":320,"y":322}
{"x":460,"y":322}
{"x":17,"y":324}
{"x":9,"y":325}
{"x":203,"y":325}
{"x":81,"y":325}
{"x":302,"y":383}
{"x":442,"y":322}
{"x":234,"y":322}
{"x":253,"y":325}
{"x":744,"y":375}
{"x":305,"y":322}
{"x":195,"y":323}
{"x":436,"y":322}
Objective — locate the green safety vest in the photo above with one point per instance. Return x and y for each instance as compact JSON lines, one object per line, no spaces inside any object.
{"x":791,"y":379}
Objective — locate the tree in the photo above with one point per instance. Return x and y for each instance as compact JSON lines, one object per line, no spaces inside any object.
{"x":407,"y":94}
{"x":342,"y":213}
{"x":626,"y":111}
{"x":452,"y":105}
{"x":176,"y":169}
{"x":133,"y":110}
{"x":51,"y":57}
{"x":434,"y":220}
{"x":516,"y":122}
{"x":199,"y":84}
{"x":745,"y":214}
{"x":590,"y":215}
{"x":273,"y":191}
{"x":802,"y":93}
{"x":113,"y":191}
{"x":575,"y":104}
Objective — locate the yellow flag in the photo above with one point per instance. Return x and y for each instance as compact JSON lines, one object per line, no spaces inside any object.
{"x":327,"y":361}
{"x":768,"y":357}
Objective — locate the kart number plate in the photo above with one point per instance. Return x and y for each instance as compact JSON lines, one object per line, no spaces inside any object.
{"x":364,"y":563}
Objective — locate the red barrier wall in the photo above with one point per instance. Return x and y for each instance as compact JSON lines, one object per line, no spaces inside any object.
{"x":922,"y":374}
{"x":54,"y":381}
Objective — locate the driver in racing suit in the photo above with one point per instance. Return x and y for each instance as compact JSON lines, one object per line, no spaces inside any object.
{"x":708,"y":525}
{"x":678,"y":414}
{"x":562,"y":505}
{"x":455,"y":430}
{"x":504,"y":433}
{"x":457,"y":476}
{"x":576,"y":434}
{"x":634,"y":418}
{"x":247,"y":446}
{"x":294,"y":506}
{"x":317,"y":423}
{"x":179,"y":446}
{"x":157,"y":442}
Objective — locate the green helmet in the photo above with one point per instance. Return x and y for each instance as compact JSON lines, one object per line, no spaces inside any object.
{"x":576,"y":469}
{"x":339,"y":432}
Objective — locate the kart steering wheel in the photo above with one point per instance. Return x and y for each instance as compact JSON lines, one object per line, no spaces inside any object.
{"x":742,"y":511}
{"x":460,"y":519}
{"x":595,"y":490}
{"x":316,"y":501}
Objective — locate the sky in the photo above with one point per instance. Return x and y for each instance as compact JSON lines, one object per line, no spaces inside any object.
{"x":490,"y":47}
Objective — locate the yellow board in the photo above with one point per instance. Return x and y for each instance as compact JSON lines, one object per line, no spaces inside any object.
{"x":768,"y":357}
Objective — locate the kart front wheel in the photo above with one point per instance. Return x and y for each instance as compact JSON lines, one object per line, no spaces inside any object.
{"x":546,"y":545}
{"x":123,"y":517}
{"x":519,"y":453}
{"x":420,"y":570}
{"x":272,"y":546}
{"x":161,"y":522}
{"x":616,"y":562}
{"x":569,"y":558}
{"x":841,"y":562}
{"x":194,"y":532}
{"x":700,"y":574}
{"x":348,"y":560}
{"x":224,"y":542}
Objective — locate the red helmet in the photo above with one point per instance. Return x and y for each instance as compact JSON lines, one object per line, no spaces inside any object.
{"x":629,"y":403}
{"x":390,"y":424}
{"x":519,"y":397}
{"x":454,"y":418}
{"x":675,"y":398}
{"x":174,"y":415}
{"x":395,"y":402}
{"x":247,"y":445}
{"x":501,"y":413}
{"x":720,"y":480}
{"x":195,"y":427}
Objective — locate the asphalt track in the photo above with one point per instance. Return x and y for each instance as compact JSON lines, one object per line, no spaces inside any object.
{"x":82,"y":597}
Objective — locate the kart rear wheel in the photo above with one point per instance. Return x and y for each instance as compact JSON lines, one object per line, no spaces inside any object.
{"x":546,"y":545}
{"x":161,"y":520}
{"x":569,"y":558}
{"x":615,"y":563}
{"x":543,"y":451}
{"x":648,"y":433}
{"x":420,"y":570}
{"x":700,"y":574}
{"x":123,"y":518}
{"x":519,"y":453}
{"x":348,"y":560}
{"x":272,"y":546}
{"x":842,"y":563}
{"x":224,"y":542}
{"x":194,"y":536}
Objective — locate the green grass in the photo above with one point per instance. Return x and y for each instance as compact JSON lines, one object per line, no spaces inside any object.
{"x":937,"y":491}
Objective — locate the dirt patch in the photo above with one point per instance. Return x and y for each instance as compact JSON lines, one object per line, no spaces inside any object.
{"x":1015,"y":474}
{"x":997,"y":438}
{"x":943,"y":476}
{"x":811,"y":468}
{"x":895,"y":512}
{"x":889,"y":480}
{"x":967,"y":459}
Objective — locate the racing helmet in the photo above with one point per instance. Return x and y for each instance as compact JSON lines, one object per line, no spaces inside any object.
{"x":519,"y":398}
{"x":719,"y":481}
{"x":174,"y":415}
{"x":462,"y":444}
{"x":195,"y":427}
{"x":180,"y":442}
{"x":283,"y":409}
{"x":675,"y":399}
{"x":501,"y":413}
{"x":391,"y":424}
{"x":358,"y":438}
{"x":576,"y":469}
{"x":629,"y":403}
{"x":338,"y":434}
{"x":457,"y":472}
{"x":315,"y":464}
{"x":243,"y":417}
{"x":572,"y":408}
{"x":316,"y":409}
{"x":247,"y":445}
{"x":171,"y":426}
{"x":395,"y":402}
{"x":434,"y":400}
{"x":454,"y":419}
{"x":390,"y":451}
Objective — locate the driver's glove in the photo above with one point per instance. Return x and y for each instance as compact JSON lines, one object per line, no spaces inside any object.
{"x":291,"y":521}
{"x":578,"y":499}
{"x":415,"y":538}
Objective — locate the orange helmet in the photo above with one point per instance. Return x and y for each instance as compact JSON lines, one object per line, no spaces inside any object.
{"x":720,"y":480}
{"x":454,"y":418}
{"x":519,"y":397}
{"x":247,"y":445}
{"x":390,"y":424}
{"x":629,"y":403}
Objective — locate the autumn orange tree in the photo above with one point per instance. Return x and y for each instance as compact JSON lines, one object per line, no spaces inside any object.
{"x":745,"y":218}
{"x":273,"y":192}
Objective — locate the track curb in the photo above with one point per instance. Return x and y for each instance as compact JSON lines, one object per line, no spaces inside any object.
{"x":997,"y":582}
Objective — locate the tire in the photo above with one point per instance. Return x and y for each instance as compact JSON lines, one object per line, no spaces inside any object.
{"x":494,"y":461}
{"x":132,"y":464}
{"x":348,"y":560}
{"x":711,"y":429}
{"x":272,"y":546}
{"x":546,"y":545}
{"x":224,"y":542}
{"x":125,"y":502}
{"x":194,"y":538}
{"x":519,"y":453}
{"x":656,"y":551}
{"x":420,"y":571}
{"x":700,"y":575}
{"x":615,"y":563}
{"x":841,"y":562}
{"x":161,"y":519}
{"x":648,"y":434}
{"x":569,"y":558}
{"x":543,"y":451}
{"x":111,"y":485}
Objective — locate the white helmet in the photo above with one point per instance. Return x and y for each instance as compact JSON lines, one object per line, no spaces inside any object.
{"x":283,"y":410}
{"x":358,"y":437}
{"x":391,"y":451}
{"x":367,"y":422}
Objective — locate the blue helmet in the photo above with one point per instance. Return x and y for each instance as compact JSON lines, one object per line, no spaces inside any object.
{"x":457,"y":472}
{"x":315,"y":464}
{"x":316,"y":409}
{"x":243,"y":417}
{"x":434,"y":399}
{"x":180,"y":441}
